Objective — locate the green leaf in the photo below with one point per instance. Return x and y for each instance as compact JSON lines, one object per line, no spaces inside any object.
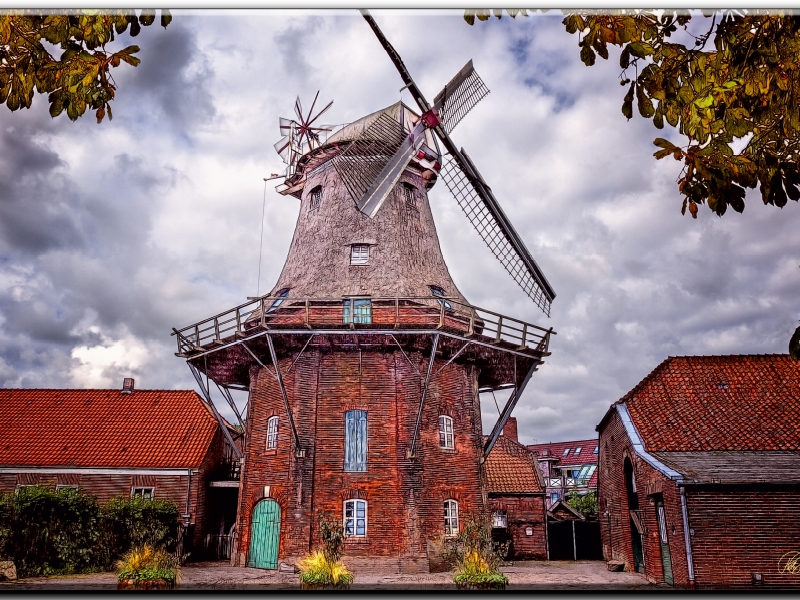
{"x":166,"y":18}
{"x":704,"y":102}
{"x":147,"y":16}
{"x":644,"y":103}
{"x":627,"y":103}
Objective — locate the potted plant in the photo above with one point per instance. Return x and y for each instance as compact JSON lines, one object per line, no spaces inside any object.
{"x":147,"y":568}
{"x":324,"y":569}
{"x":476,"y":556}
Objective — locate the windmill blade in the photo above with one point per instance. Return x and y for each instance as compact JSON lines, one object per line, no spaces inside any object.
{"x":459,"y":96}
{"x":363,"y":160}
{"x":283,"y":147}
{"x":377,"y":192}
{"x":320,"y":113}
{"x":479,"y":204}
{"x":286,"y":125}
{"x":298,"y":109}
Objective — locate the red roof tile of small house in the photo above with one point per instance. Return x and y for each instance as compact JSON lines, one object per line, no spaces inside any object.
{"x":700,"y":403}
{"x":512,"y":469}
{"x":585,"y":457}
{"x":104,"y":428}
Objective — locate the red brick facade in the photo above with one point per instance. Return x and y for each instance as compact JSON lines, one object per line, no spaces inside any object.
{"x":404,"y":496}
{"x":742,"y":518}
{"x":524,"y":514}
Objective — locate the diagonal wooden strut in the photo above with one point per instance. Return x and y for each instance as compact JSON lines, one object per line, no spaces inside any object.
{"x":422,"y":396}
{"x":278,"y":376}
{"x":207,"y":394}
{"x":509,"y":407}
{"x":229,"y":399}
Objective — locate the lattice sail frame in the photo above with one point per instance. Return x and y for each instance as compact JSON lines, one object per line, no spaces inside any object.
{"x":360,"y":163}
{"x":459,"y":96}
{"x":491,"y":232}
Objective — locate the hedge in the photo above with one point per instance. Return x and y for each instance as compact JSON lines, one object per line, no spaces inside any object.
{"x":66,"y":531}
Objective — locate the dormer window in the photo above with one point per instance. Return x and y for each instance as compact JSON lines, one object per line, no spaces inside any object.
{"x":409,"y":193}
{"x":315,"y":197}
{"x":439,"y":292}
{"x":359,"y":254}
{"x":280,"y":296}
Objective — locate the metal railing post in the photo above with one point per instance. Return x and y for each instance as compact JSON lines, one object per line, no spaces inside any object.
{"x":263,"y":313}
{"x":308,"y":325}
{"x":441,"y":315}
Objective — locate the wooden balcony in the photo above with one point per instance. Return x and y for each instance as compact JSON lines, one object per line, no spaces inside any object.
{"x":303,"y":315}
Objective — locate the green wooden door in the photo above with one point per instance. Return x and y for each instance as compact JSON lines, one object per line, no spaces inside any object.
{"x":638,"y":551}
{"x":666,"y":557}
{"x":265,"y":535}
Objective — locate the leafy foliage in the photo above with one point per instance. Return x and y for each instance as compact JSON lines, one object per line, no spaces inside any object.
{"x":80,"y":77}
{"x":332,"y":534}
{"x":794,"y":345}
{"x":148,"y":563}
{"x":65,"y":531}
{"x":475,"y":554}
{"x":136,"y":522}
{"x":317,"y":569}
{"x":586,"y":504}
{"x":745,"y":86}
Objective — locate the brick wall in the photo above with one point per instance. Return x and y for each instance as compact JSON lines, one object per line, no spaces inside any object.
{"x":404,"y":496}
{"x":738,"y":530}
{"x":524,"y":512}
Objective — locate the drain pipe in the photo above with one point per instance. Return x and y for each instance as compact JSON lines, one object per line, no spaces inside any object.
{"x":686,"y":534}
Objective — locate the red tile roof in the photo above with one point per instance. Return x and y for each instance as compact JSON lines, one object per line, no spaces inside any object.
{"x":513,"y":469}
{"x":104,"y":428}
{"x":697,"y":403}
{"x":585,"y":457}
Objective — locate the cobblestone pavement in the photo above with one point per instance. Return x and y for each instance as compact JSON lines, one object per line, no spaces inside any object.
{"x":556,"y":575}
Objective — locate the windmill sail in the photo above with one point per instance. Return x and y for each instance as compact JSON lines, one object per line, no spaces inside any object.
{"x":488,"y":219}
{"x":459,"y":96}
{"x":362,"y":162}
{"x":463,"y":180}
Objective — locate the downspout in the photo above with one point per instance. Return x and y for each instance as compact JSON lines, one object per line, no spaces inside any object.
{"x":689,"y":561}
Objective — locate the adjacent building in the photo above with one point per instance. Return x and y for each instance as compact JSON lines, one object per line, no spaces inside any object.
{"x":568,"y":467}
{"x":516,"y":493}
{"x":164,"y":444}
{"x":699,"y":473}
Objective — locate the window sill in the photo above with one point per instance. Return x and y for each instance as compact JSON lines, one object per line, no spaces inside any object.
{"x":270,"y":452}
{"x":448,"y":450}
{"x":353,"y":540}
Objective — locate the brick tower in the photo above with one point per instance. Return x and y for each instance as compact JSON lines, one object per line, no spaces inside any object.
{"x":364,"y":366}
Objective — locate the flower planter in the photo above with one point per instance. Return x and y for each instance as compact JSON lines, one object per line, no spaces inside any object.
{"x":145,"y":584}
{"x":481,"y":586}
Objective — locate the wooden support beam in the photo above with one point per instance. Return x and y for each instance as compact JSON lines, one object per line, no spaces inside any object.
{"x":452,"y":358}
{"x":291,"y":366}
{"x":413,"y":446}
{"x":509,"y":407}
{"x":207,"y":393}
{"x":298,"y":450}
{"x":227,"y":395}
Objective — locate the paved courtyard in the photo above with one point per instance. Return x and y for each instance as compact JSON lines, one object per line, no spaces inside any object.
{"x":555,"y":575}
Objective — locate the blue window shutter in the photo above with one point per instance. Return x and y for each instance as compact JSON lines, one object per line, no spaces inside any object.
{"x":355,"y":443}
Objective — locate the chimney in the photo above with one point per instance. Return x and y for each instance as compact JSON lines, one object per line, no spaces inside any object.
{"x":510,"y":429}
{"x":127,"y":385}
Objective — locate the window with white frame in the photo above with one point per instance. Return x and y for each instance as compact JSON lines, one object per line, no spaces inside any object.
{"x":566,"y":451}
{"x":450,"y":518}
{"x":596,"y":450}
{"x":578,"y":450}
{"x":145,"y":493}
{"x":355,"y":518}
{"x":359,"y":254}
{"x":554,"y":497}
{"x":272,"y":433}
{"x":357,"y":310}
{"x":315,"y":197}
{"x":499,"y":519}
{"x":446,"y":432}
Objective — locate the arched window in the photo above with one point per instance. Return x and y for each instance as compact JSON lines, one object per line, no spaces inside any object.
{"x":450,"y":518}
{"x":315,"y":198}
{"x":281,"y":295}
{"x":355,"y":518}
{"x":409,"y":193}
{"x":446,"y":432}
{"x":272,"y":433}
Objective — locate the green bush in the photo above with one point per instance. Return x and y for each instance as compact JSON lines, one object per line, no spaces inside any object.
{"x":47,"y":532}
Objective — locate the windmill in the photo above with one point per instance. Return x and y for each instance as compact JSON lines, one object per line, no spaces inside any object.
{"x":365,"y":363}
{"x":300,"y":136}
{"x":370,"y":183}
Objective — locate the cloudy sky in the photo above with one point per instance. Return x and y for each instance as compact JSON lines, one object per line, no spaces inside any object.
{"x":112,"y":234}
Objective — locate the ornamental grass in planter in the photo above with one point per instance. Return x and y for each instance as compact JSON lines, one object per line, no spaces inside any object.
{"x":147,"y":568}
{"x":475,"y":573}
{"x":324,"y":569}
{"x":476,"y":556}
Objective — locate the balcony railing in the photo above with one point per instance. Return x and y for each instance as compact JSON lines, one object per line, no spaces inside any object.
{"x":274,"y":313}
{"x":568,"y":482}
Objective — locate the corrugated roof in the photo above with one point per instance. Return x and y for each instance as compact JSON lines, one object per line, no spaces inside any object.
{"x":104,"y":428}
{"x":702,"y":403}
{"x":512,"y":469}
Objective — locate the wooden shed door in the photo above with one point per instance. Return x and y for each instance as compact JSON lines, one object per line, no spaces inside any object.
{"x":666,"y":558}
{"x":265,"y":535}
